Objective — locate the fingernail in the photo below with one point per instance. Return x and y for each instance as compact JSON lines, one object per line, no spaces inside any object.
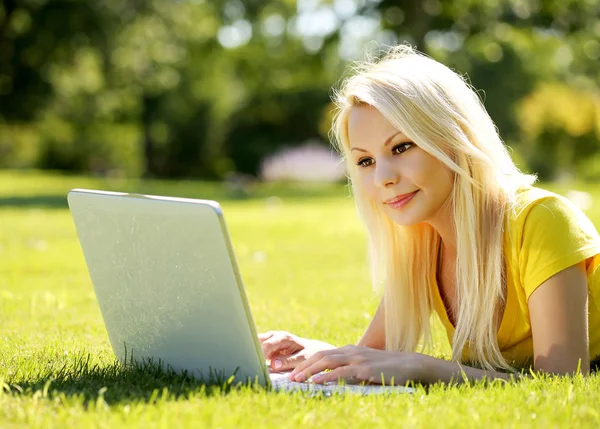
{"x":277,"y":364}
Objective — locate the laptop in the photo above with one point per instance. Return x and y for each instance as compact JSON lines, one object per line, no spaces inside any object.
{"x":169,"y":289}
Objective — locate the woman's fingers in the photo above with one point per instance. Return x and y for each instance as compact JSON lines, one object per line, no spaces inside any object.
{"x":342,"y":372}
{"x":315,"y":358}
{"x":286,"y":363}
{"x":265,"y":336}
{"x":303,"y":365}
{"x":330,"y":359}
{"x":280,"y":343}
{"x":272,"y":346}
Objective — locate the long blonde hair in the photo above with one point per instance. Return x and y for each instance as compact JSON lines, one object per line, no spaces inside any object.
{"x":435,"y":108}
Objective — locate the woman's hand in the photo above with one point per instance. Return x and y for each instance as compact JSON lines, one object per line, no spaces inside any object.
{"x":361,"y":364}
{"x":286,"y":351}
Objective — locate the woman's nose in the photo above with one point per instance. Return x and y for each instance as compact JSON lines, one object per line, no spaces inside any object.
{"x":385,"y":174}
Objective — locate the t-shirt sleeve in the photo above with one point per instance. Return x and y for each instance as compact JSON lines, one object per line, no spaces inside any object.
{"x":556,"y":235}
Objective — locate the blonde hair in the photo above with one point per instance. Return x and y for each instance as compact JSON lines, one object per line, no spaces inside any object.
{"x":435,"y":108}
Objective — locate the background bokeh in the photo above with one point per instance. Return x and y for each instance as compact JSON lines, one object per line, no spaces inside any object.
{"x":210,"y":88}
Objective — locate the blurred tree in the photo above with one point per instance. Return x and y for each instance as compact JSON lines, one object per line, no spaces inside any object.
{"x":561,"y":131}
{"x":199,"y":88}
{"x":154,"y":56}
{"x":33,"y":36}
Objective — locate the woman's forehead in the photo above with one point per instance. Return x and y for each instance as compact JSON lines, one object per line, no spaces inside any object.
{"x":367,"y":121}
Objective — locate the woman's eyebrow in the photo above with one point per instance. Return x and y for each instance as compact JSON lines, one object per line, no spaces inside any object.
{"x":387,"y":142}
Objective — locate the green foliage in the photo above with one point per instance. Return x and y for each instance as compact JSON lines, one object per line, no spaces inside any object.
{"x":203,"y":88}
{"x":19,"y":146}
{"x":561,"y":131}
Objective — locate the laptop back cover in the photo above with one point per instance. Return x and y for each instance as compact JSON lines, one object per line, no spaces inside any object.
{"x":167,"y":283}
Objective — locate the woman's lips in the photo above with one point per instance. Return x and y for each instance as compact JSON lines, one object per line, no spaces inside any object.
{"x":401,"y":200}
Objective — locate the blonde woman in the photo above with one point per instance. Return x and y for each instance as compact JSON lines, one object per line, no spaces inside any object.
{"x":454,"y":228}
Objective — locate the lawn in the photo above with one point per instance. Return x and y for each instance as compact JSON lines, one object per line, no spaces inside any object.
{"x":302,"y":255}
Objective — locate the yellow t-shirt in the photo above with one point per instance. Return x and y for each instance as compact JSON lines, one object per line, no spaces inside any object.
{"x":547,"y":234}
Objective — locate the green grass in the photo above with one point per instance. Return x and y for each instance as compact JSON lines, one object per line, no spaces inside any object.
{"x":302,"y":256}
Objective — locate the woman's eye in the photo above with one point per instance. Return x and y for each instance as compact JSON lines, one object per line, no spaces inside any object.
{"x":364,"y":162}
{"x":401,"y":147}
{"x":396,"y":150}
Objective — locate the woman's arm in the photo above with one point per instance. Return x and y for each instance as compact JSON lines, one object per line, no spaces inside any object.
{"x":374,"y":336}
{"x":435,"y":370}
{"x":432,"y":369}
{"x":558,"y":316}
{"x":558,"y":310}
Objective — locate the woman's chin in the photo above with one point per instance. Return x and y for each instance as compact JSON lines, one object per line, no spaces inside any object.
{"x":403,"y":218}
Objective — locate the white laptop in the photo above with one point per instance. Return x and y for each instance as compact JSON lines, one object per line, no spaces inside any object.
{"x":169,"y":289}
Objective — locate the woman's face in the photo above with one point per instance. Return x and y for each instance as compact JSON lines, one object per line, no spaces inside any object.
{"x":409,"y":185}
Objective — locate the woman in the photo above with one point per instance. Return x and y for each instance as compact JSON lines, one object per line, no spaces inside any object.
{"x":454,"y":227}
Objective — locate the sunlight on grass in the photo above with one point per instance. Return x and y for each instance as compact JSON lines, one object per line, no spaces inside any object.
{"x":302,"y":256}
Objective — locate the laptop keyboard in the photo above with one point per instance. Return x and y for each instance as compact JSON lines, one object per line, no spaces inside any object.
{"x":281,"y":382}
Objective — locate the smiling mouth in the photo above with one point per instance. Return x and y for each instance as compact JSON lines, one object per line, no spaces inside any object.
{"x":401,"y":200}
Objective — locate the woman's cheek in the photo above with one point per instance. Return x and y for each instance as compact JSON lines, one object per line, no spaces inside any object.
{"x":368,"y":185}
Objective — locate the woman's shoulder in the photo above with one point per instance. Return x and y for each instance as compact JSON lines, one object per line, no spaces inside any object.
{"x":535,"y":212}
{"x":545,"y":234}
{"x":528,"y":197}
{"x":541,"y":205}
